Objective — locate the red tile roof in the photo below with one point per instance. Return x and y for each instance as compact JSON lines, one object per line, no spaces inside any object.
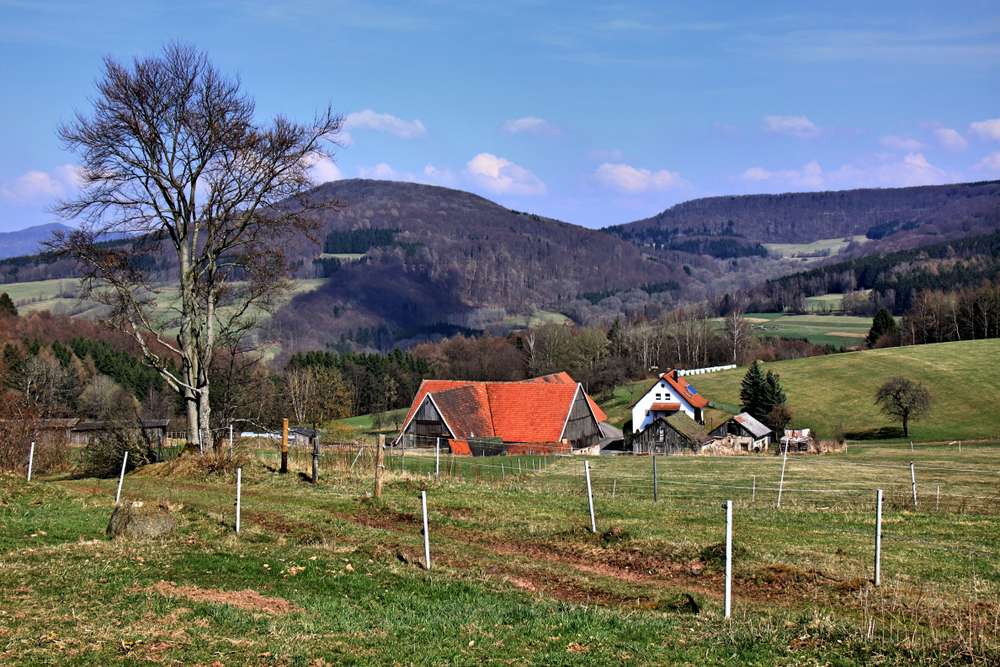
{"x":529,"y":411}
{"x":565,"y":378}
{"x":535,"y":410}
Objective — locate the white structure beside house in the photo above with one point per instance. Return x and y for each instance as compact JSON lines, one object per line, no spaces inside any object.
{"x":668,"y":395}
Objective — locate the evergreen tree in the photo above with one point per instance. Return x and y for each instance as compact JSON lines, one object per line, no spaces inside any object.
{"x":752,"y":391}
{"x":760,"y":393}
{"x":7,"y":306}
{"x":882,"y":324}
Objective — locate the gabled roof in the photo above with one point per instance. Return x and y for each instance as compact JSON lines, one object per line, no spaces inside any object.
{"x":564,"y":378}
{"x":749,"y":423}
{"x":680,"y":385}
{"x":530,"y":411}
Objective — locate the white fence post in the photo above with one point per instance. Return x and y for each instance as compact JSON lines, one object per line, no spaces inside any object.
{"x":656,"y":486}
{"x":437,"y":458}
{"x":913,"y":482}
{"x":590,"y":498}
{"x":239,"y":489}
{"x":31,"y":459}
{"x":121,"y":478}
{"x":781,"y":484}
{"x":729,"y":557}
{"x":427,"y":537}
{"x":878,"y":537}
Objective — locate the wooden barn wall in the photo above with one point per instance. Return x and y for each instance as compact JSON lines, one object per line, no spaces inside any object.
{"x":647,"y":442}
{"x":581,"y":428}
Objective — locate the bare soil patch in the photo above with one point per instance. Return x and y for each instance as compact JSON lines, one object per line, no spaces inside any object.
{"x":247,"y":599}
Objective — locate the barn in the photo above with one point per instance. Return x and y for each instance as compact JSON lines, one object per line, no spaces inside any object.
{"x":674,"y":434}
{"x":549,"y":413}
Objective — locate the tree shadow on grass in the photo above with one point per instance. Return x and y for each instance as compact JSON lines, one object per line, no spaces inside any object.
{"x":881,"y":433}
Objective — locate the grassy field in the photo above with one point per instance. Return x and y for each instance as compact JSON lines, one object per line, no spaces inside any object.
{"x":322,"y":575}
{"x":810,"y":252}
{"x":59,"y":296}
{"x":537,"y":320}
{"x":836,"y":330}
{"x":836,"y":391}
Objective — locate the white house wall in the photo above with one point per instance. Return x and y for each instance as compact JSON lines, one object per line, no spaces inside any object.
{"x":641,"y":417}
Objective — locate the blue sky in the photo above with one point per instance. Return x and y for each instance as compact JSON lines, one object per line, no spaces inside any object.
{"x":591,"y":113}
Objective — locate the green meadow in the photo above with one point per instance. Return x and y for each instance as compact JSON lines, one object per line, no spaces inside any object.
{"x":834,"y":393}
{"x":323,"y":574}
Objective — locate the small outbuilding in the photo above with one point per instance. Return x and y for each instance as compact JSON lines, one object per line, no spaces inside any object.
{"x":674,"y":434}
{"x":744,"y":433}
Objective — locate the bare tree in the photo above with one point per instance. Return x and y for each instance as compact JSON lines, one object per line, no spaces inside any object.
{"x":903,"y":401}
{"x":201,"y":199}
{"x":738,"y":334}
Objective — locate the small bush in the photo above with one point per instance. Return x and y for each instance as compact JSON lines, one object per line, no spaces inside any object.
{"x":102,"y":457}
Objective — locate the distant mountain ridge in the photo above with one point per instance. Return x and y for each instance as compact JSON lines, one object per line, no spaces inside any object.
{"x":27,"y":241}
{"x":805,"y":217}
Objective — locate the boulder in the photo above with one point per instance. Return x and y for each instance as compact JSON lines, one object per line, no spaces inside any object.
{"x":139,"y":519}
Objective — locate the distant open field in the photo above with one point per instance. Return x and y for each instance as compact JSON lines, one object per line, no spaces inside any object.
{"x":810,"y":252}
{"x":536,"y":320}
{"x":836,"y":330}
{"x":59,"y":296}
{"x":834,"y":391}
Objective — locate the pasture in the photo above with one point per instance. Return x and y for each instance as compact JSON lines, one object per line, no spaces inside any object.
{"x":836,"y":330}
{"x":810,"y":252}
{"x":834,"y":394}
{"x":322,"y":574}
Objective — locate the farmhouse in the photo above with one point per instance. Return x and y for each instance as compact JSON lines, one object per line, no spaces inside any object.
{"x":674,"y":434}
{"x":744,"y":433}
{"x":549,"y":413}
{"x":668,"y":395}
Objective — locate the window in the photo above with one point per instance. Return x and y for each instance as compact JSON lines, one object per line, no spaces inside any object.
{"x":659,"y":396}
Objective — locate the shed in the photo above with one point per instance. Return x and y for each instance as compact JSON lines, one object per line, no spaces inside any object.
{"x":746,"y":433}
{"x":83,"y":432}
{"x":673,"y":434}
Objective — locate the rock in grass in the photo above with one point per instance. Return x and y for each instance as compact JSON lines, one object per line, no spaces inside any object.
{"x":139,"y":519}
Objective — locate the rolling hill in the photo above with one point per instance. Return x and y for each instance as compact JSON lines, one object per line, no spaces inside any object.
{"x":836,"y":391}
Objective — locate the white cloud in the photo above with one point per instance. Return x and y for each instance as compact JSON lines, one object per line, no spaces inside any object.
{"x":438,"y":176}
{"x":39,"y":187}
{"x":629,"y":180}
{"x":901,"y":143}
{"x":383,"y":172}
{"x":950,"y":139}
{"x":324,"y":170}
{"x":383,"y":122}
{"x":809,"y":177}
{"x":799,"y":127}
{"x":531,"y":125}
{"x":989,"y":163}
{"x":503,"y":177}
{"x":886,"y":172}
{"x":987,"y":129}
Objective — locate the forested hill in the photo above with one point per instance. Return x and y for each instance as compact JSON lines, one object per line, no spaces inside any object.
{"x":965,"y":209}
{"x":452,"y":256}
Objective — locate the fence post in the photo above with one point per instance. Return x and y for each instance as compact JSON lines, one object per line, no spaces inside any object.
{"x":590,"y":498}
{"x":239,"y":493}
{"x":315,"y":458}
{"x":938,"y":505}
{"x":230,"y":441}
{"x":729,"y":557}
{"x":284,"y":446}
{"x":159,"y":450}
{"x":402,"y":457}
{"x":878,"y":537}
{"x":31,"y":459}
{"x":121,"y":478}
{"x":781,"y":484}
{"x":753,"y":497}
{"x":614,"y":488}
{"x":427,"y":536}
{"x":379,"y":459}
{"x":913,"y":482}
{"x":437,"y":458}
{"x":656,"y":487}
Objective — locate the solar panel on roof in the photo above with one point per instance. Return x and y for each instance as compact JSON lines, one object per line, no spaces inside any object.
{"x":692,"y":390}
